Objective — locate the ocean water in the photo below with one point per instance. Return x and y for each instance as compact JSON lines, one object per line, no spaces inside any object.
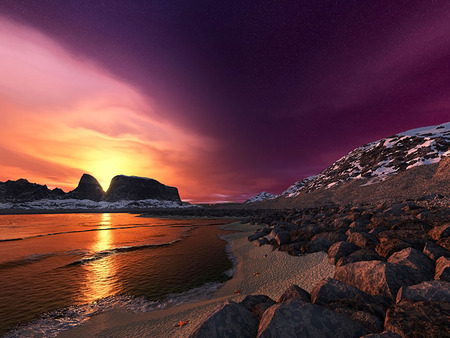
{"x":58,"y":270}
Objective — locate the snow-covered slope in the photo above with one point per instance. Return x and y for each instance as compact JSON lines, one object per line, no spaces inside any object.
{"x":261,"y":197}
{"x":74,"y":204}
{"x":376,"y":161}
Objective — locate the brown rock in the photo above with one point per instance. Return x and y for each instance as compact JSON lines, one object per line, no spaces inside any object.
{"x":438,"y":291}
{"x":387,"y":247}
{"x":419,"y":319}
{"x":416,"y":260}
{"x":295,"y":292}
{"x":442,"y":269}
{"x":362,"y":239}
{"x":439,"y":232}
{"x":340,"y":249}
{"x":365,"y":254}
{"x":435,"y":251}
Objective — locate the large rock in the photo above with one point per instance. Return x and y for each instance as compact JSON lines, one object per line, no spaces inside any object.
{"x":438,"y":291}
{"x":281,"y":236}
{"x":365,"y":254}
{"x":410,"y":318}
{"x":258,"y":234}
{"x":230,"y":320}
{"x":439,"y":232}
{"x":416,"y":260}
{"x":371,"y":322}
{"x":377,"y":278}
{"x":299,"y":319}
{"x":434,"y":251}
{"x":442,"y":269}
{"x":340,"y":249}
{"x":252,"y":300}
{"x":363,"y":239}
{"x":88,"y":188}
{"x":318,"y":244}
{"x":295,"y":292}
{"x":387,"y":247}
{"x":139,"y":188}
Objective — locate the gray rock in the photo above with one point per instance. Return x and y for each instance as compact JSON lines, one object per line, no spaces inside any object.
{"x":251,"y":300}
{"x":295,"y":292}
{"x":230,"y":320}
{"x":299,"y":319}
{"x":439,"y":232}
{"x":410,"y":318}
{"x":443,"y":269}
{"x":319,"y":244}
{"x":376,"y":277}
{"x":438,"y":291}
{"x":340,"y":249}
{"x":334,"y":292}
{"x":416,"y":260}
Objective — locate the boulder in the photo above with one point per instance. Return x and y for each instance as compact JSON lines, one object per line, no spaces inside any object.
{"x":387,"y":247}
{"x":251,"y":300}
{"x":139,"y":188}
{"x":340,"y":249}
{"x":442,"y":269}
{"x":259,"y":233}
{"x":439,"y":232}
{"x":365,"y":254}
{"x":333,"y":237}
{"x":362,"y":239}
{"x":377,"y":278}
{"x":299,"y":319}
{"x":281,"y":236}
{"x":434,"y":251}
{"x":331,"y":291}
{"x":261,"y":241}
{"x":319,"y":244}
{"x":295,"y":292}
{"x":370,"y":321}
{"x":416,"y":260}
{"x":230,"y":320}
{"x":444,"y":242}
{"x":410,"y":318}
{"x":436,"y":290}
{"x":88,"y":188}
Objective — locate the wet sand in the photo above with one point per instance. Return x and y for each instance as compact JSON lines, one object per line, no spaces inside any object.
{"x":275,"y":270}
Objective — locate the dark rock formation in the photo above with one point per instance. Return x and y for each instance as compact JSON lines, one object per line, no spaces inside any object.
{"x":442,"y":269}
{"x":24,"y":191}
{"x":295,"y":292}
{"x":365,"y":254}
{"x":410,"y":318}
{"x":257,"y":304}
{"x":230,"y":320}
{"x":439,"y":232}
{"x":299,"y":319}
{"x":88,"y":188}
{"x":340,"y":249}
{"x":416,"y":260}
{"x":438,"y":291}
{"x":139,"y":188}
{"x":434,"y":251}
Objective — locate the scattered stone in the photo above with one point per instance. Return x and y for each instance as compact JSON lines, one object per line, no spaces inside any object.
{"x":230,"y":320}
{"x":295,"y":292}
{"x":410,"y":318}
{"x":436,"y":290}
{"x":443,"y":269}
{"x":299,"y":319}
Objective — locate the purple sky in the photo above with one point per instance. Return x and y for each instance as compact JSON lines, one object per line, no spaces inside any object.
{"x":282,"y":89}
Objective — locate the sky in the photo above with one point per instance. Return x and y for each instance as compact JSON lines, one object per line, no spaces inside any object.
{"x":222,"y":99}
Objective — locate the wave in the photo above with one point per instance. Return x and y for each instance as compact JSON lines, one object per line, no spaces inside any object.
{"x":25,"y":261}
{"x":105,"y":253}
{"x":53,"y":323}
{"x":231,"y":256}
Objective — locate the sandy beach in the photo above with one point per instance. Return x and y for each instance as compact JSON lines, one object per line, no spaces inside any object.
{"x":259,"y":270}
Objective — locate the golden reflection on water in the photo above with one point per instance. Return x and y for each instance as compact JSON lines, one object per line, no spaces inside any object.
{"x":100,"y":273}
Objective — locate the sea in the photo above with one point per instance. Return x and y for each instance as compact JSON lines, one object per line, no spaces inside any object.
{"x":58,"y":270}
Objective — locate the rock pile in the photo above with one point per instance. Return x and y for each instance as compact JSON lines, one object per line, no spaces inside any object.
{"x":391,"y":279}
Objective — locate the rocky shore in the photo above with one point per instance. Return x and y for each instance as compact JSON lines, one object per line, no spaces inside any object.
{"x":392,"y":275}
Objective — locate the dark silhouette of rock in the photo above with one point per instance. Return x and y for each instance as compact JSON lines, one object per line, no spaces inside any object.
{"x":416,"y":260}
{"x":24,"y":191}
{"x":439,"y":232}
{"x":88,"y":188}
{"x":377,"y":278}
{"x":295,"y":292}
{"x":295,"y":318}
{"x":410,"y":318}
{"x":438,"y":291}
{"x":230,"y":320}
{"x":365,"y":254}
{"x":139,"y":188}
{"x":318,"y":244}
{"x":340,"y":249}
{"x":442,"y":269}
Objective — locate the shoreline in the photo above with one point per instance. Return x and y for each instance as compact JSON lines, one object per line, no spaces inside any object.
{"x":276,"y":272}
